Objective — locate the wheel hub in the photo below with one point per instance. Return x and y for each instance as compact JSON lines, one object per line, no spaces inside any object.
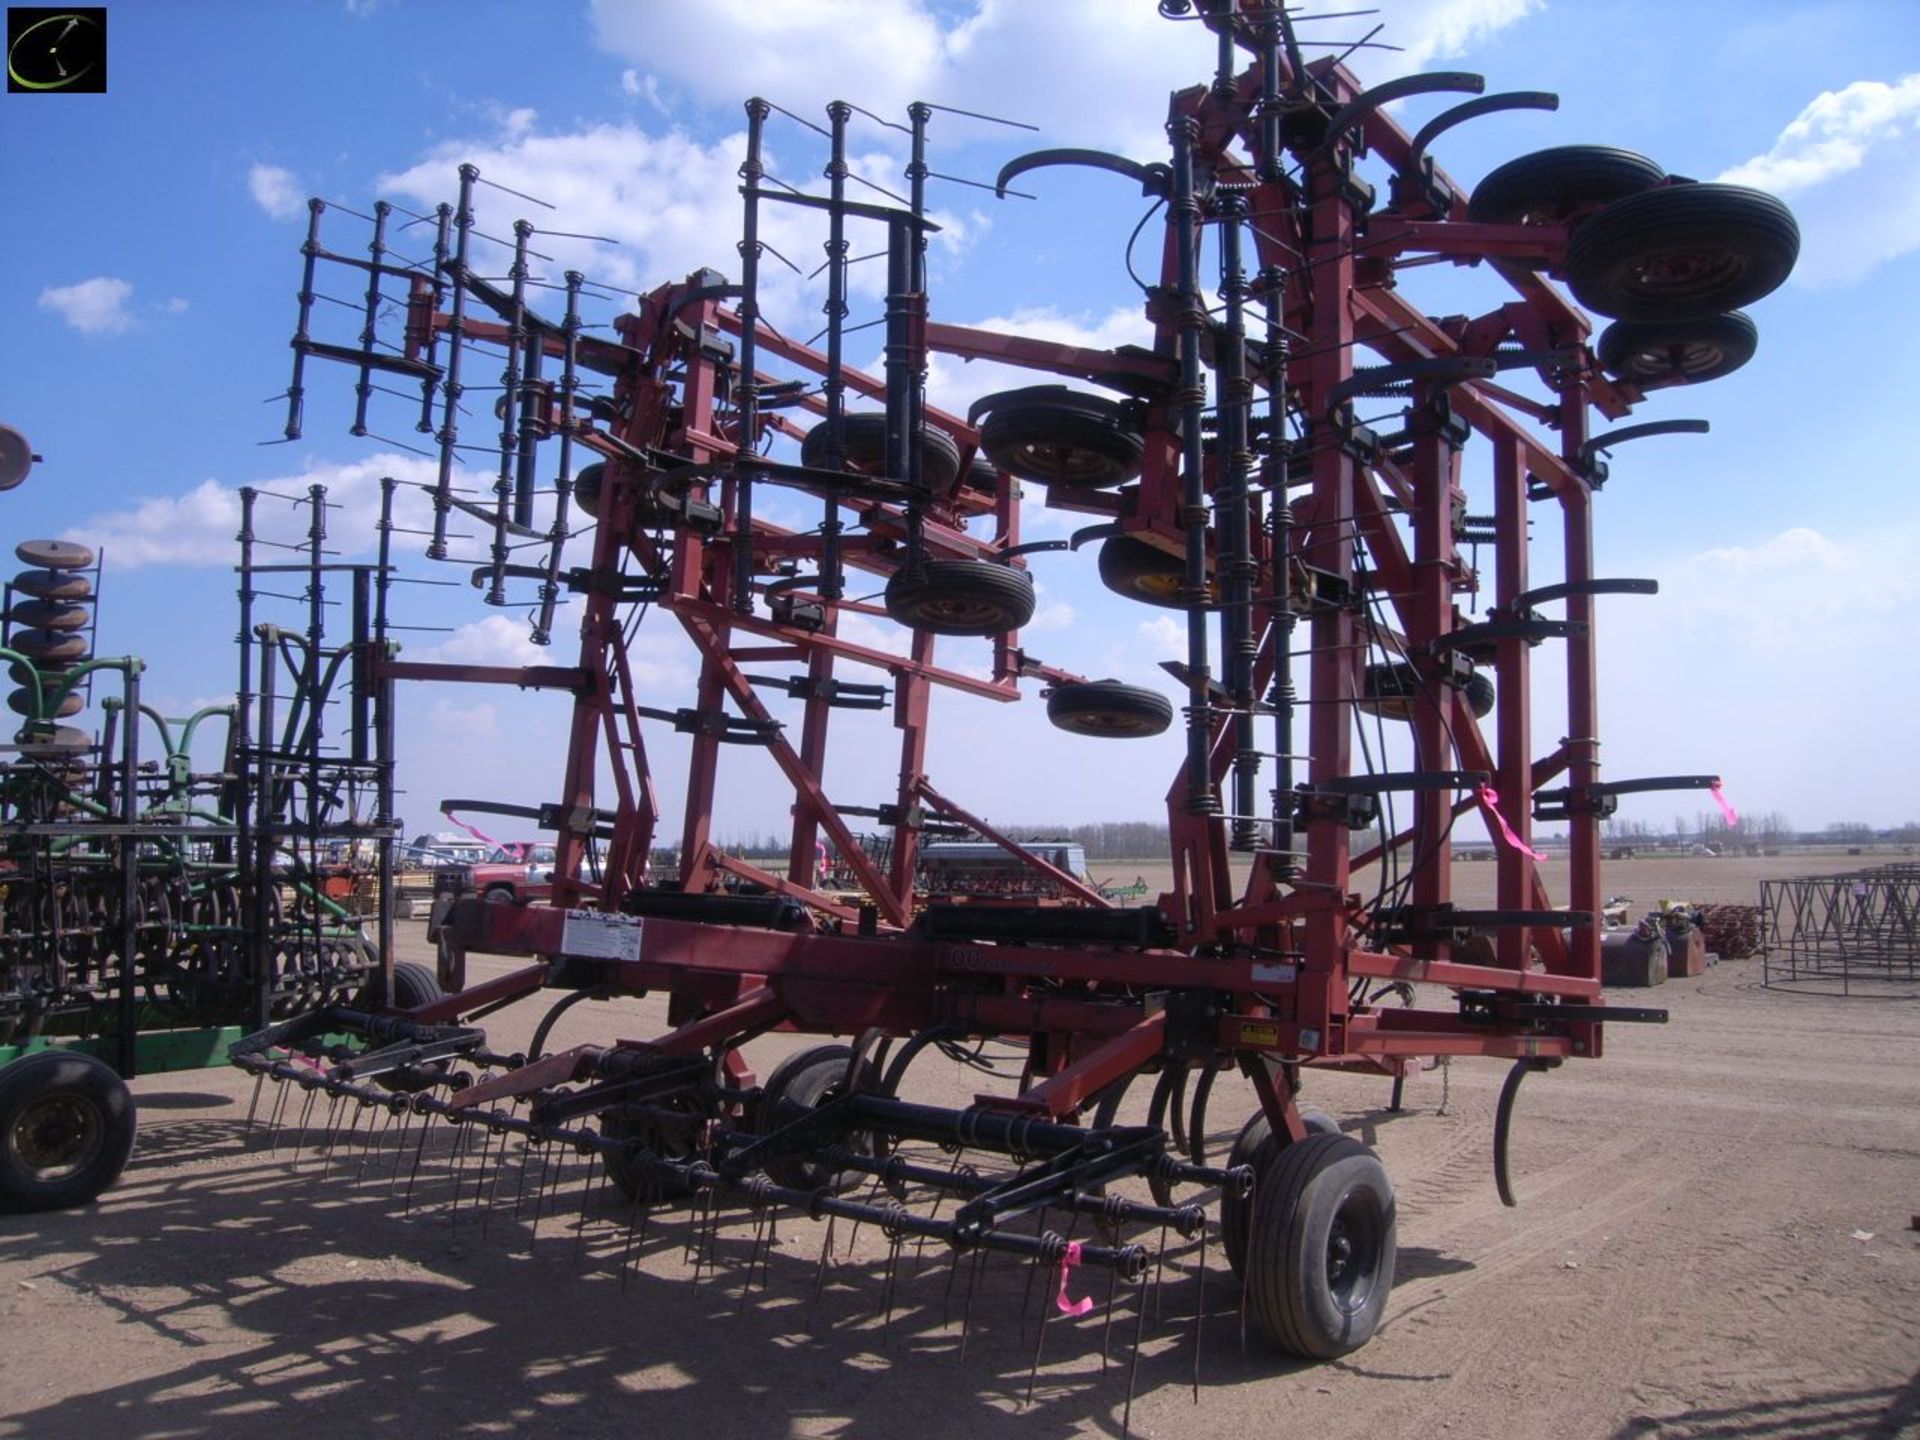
{"x":57,"y":1134}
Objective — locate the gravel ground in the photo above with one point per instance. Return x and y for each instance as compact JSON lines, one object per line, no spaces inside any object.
{"x":1714,"y":1240}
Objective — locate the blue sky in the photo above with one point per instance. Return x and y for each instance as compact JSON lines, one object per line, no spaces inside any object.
{"x":151,"y":264}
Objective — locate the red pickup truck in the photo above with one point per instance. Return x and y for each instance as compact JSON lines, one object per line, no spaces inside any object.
{"x":517,"y":870}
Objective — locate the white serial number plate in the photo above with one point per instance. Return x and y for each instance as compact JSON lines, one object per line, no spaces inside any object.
{"x":599,"y":936}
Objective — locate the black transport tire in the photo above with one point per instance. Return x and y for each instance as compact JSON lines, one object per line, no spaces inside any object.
{"x":1553,"y":186}
{"x":1392,"y":690}
{"x":865,"y":439}
{"x":1672,"y":352}
{"x":961,"y":597}
{"x":804,"y":1081}
{"x":639,"y":1184}
{"x":1233,"y":1209}
{"x":1109,"y":708}
{"x":1054,"y":435}
{"x":1682,"y":252}
{"x":1141,"y":571}
{"x":414,"y":985}
{"x":66,"y":1130}
{"x":1321,"y":1244}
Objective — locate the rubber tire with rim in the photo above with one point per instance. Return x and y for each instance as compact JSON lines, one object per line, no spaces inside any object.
{"x":961,"y":597}
{"x":1233,"y":1209}
{"x":1665,"y":352}
{"x":1109,"y":709}
{"x":1140,"y":571}
{"x":414,"y":985}
{"x":640,"y":1186}
{"x":806,"y":1080}
{"x":1391,"y":690}
{"x":1722,"y":246}
{"x":865,"y":439}
{"x":1553,"y":186}
{"x":42,"y":1097}
{"x":1053,"y":435}
{"x":1321,"y":1245}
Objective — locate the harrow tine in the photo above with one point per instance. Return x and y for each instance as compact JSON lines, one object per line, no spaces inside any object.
{"x":492,"y":1182}
{"x":886,"y":1294}
{"x":766,"y":1255}
{"x":753,"y":1258}
{"x":333,"y":1134}
{"x":820,"y":1274}
{"x":376,"y":1132}
{"x":1159,"y":1275}
{"x":1026,"y":1300}
{"x":457,"y":1166}
{"x":273,"y":1125}
{"x":400,"y":1147}
{"x":710,"y":1244}
{"x":253,"y":1107}
{"x":946,"y":1297}
{"x":1133,"y":1361}
{"x":595,"y":1174}
{"x":636,"y":1211}
{"x":419,"y":1153}
{"x":1106,"y":1325}
{"x":549,"y":1164}
{"x":973,"y":1284}
{"x":1200,"y":1315}
{"x":1039,"y":1334}
{"x":526,"y":1164}
{"x":300,"y":1144}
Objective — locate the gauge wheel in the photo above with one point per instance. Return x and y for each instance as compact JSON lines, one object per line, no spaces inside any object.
{"x":803,"y":1082}
{"x":1234,"y":1208}
{"x":1320,"y":1246}
{"x":1054,"y":435}
{"x":1109,"y":708}
{"x":864,"y":438}
{"x":1677,"y":352}
{"x":1682,"y":252}
{"x":66,"y":1130}
{"x":961,"y":597}
{"x":1550,"y":187}
{"x":1141,"y":571}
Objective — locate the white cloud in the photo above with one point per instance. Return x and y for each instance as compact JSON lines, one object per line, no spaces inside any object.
{"x":175,"y":306}
{"x":1429,"y":30}
{"x":275,"y":191}
{"x":1055,"y":65}
{"x":663,"y":199}
{"x":496,"y":640}
{"x":197,"y":527}
{"x":93,"y":307}
{"x":1851,"y":163}
{"x":463,"y":724}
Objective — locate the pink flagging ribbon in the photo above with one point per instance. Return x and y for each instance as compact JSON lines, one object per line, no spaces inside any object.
{"x":1726,"y":805}
{"x":1067,"y":1262}
{"x":1490,"y":799}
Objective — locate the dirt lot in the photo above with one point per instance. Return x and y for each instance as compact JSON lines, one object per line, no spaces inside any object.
{"x":1713,"y":1241}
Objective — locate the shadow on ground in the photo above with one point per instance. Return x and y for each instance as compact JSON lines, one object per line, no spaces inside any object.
{"x":277,"y":1292}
